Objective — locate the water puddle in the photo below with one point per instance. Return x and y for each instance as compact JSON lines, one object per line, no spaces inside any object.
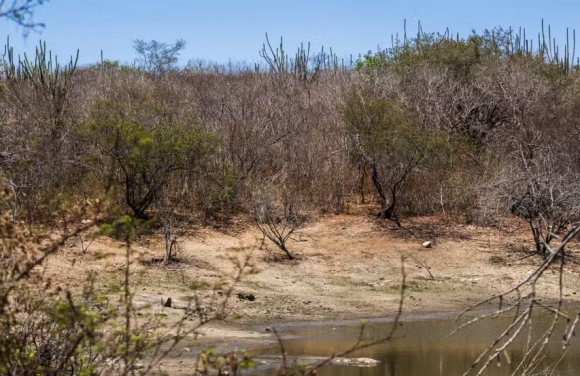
{"x":423,"y":347}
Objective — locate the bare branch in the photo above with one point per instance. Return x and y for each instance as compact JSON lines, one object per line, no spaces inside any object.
{"x":21,"y":12}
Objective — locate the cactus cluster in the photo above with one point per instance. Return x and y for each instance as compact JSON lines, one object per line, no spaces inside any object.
{"x":302,"y":65}
{"x":48,"y":80}
{"x":508,"y":43}
{"x":505,"y":42}
{"x":43,"y":71}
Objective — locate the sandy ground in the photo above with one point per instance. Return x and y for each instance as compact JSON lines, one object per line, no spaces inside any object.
{"x":348,"y":267}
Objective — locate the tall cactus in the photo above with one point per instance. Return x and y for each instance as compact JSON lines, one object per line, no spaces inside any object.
{"x":41,"y":71}
{"x":276,"y":59}
{"x":303,"y":66}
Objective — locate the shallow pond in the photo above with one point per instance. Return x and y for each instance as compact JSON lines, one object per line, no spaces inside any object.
{"x":423,"y":347}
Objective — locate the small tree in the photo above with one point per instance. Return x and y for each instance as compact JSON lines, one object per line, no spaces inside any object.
{"x":158,"y":57}
{"x":391,"y":145}
{"x":168,"y":220}
{"x":276,"y":222}
{"x":546,"y":193}
{"x":149,"y":142}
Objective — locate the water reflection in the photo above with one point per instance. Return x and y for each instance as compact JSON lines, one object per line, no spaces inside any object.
{"x":424,"y":348}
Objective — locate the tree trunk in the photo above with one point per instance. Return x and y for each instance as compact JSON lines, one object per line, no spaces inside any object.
{"x":377,"y":184}
{"x":169,"y":244}
{"x":288,"y":254}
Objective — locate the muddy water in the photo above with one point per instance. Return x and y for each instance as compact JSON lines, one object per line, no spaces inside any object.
{"x":423,"y":347}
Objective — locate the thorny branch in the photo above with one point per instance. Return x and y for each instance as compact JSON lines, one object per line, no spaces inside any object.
{"x":523,"y":309}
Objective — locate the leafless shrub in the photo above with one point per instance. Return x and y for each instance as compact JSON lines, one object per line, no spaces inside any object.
{"x":38,"y":148}
{"x":543,"y":190}
{"x":168,"y":220}
{"x":276,"y":221}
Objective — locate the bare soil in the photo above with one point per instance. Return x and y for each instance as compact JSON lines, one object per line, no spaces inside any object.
{"x":347,"y":267}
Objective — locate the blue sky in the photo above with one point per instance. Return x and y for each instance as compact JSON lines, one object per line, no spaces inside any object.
{"x":222,"y":30}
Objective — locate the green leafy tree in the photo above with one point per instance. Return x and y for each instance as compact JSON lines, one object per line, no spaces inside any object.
{"x":391,"y":145}
{"x":149,"y":143}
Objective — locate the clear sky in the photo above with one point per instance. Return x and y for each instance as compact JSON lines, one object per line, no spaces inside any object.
{"x":222,"y":30}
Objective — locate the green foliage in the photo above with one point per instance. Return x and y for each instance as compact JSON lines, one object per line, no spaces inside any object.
{"x":371,"y":61}
{"x":125,"y":228}
{"x":386,"y":139}
{"x":384,"y":133}
{"x":149,"y":142}
{"x":230,"y":363}
{"x":48,"y":331}
{"x":225,"y":196}
{"x":460,"y":55}
{"x":44,"y":330}
{"x":374,"y":122}
{"x":110,"y":64}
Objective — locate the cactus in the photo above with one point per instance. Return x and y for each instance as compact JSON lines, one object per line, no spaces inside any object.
{"x":303,"y":66}
{"x":276,"y":59}
{"x":41,"y":72}
{"x":506,"y":44}
{"x":48,"y":79}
